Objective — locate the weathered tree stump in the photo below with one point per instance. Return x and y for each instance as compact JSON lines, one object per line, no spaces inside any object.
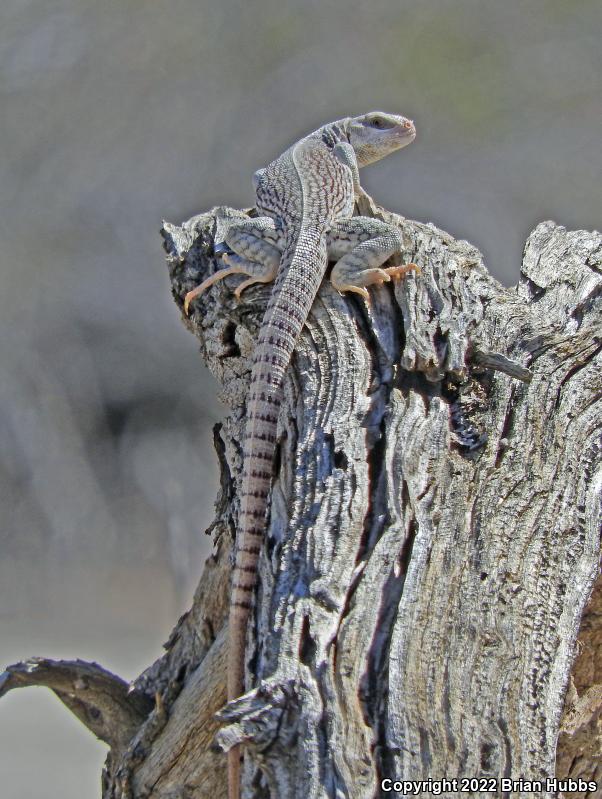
{"x":433,"y":539}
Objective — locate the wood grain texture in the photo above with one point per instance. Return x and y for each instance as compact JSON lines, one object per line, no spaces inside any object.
{"x":419,"y":603}
{"x":434,"y":536}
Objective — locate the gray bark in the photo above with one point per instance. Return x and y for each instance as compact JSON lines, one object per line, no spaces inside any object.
{"x":433,"y":538}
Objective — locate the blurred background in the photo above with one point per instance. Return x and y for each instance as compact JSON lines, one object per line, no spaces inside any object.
{"x":117,"y":114}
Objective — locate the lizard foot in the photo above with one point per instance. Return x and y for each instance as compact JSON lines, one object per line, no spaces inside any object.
{"x":196,"y":292}
{"x":257,"y":272}
{"x":355,"y":289}
{"x":236,"y":265}
{"x":245,"y":285}
{"x":372,"y":277}
{"x":399,"y":271}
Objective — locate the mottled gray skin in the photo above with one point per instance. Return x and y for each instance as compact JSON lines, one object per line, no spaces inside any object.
{"x":306,"y":197}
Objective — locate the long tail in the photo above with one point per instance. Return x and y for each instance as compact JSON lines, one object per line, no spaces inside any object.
{"x":294,"y":291}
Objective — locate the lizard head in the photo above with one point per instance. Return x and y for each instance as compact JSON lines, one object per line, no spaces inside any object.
{"x":375,"y":135}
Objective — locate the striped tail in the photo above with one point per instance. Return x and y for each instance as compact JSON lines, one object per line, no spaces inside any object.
{"x":293,"y":294}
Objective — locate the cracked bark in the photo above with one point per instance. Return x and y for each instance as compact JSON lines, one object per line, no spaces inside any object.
{"x":433,"y":537}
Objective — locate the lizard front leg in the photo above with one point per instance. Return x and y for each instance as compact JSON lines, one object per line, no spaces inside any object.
{"x":256,"y":250}
{"x":346,"y":155}
{"x":362,"y":245}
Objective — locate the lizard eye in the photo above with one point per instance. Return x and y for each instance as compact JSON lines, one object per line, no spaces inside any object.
{"x":378,"y":123}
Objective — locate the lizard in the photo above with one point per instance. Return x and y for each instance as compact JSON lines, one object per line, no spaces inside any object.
{"x":305,"y":199}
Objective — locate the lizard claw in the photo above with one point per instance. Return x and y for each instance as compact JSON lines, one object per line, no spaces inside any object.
{"x":192,"y":295}
{"x":399,"y":271}
{"x":356,"y":290}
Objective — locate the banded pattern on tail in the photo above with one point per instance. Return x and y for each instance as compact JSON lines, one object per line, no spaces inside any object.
{"x":283,"y":322}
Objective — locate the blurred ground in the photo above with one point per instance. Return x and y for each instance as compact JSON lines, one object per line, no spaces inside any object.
{"x":117,"y":114}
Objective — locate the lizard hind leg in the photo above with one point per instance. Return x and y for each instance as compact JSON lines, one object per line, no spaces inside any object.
{"x":258,"y":273}
{"x":362,"y":246}
{"x":219,"y":275}
{"x":255,"y":252}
